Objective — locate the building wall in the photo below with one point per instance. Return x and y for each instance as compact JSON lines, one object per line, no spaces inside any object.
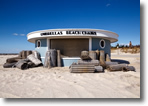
{"x":96,"y":45}
{"x":42,"y":50}
{"x":66,"y":62}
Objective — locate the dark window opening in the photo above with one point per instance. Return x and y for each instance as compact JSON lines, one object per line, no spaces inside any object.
{"x":102,"y":43}
{"x":38,"y":43}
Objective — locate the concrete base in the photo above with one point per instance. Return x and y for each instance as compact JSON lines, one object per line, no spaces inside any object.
{"x":69,"y":61}
{"x":66,"y":61}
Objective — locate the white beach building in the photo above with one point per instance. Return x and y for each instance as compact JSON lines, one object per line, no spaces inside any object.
{"x":71,"y":42}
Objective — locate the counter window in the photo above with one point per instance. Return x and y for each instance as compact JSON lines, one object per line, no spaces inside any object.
{"x":102,"y":43}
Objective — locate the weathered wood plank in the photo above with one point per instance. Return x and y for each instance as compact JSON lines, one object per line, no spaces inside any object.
{"x":82,"y":68}
{"x":85,"y":55}
{"x":102,"y":58}
{"x":110,"y":63}
{"x":88,"y":62}
{"x":108,"y":59}
{"x":93,"y":55}
{"x":98,"y":68}
{"x":118,"y":67}
{"x":82,"y":71}
{"x":58,"y":58}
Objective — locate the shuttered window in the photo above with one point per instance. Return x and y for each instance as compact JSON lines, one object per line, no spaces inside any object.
{"x":70,"y":47}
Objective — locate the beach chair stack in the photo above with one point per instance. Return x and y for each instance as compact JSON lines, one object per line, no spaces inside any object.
{"x":25,"y":59}
{"x":87,"y":64}
{"x":97,"y":61}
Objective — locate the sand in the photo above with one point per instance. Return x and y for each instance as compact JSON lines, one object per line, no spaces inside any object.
{"x":60,"y":83}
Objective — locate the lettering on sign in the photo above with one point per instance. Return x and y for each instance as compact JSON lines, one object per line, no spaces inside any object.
{"x":81,"y":32}
{"x":70,"y":33}
{"x":52,"y":33}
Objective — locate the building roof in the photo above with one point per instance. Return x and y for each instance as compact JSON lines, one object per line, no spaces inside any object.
{"x":72,"y":33}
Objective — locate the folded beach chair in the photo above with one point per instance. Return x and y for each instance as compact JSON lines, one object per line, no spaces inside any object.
{"x":118,"y":67}
{"x":88,"y":62}
{"x":9,"y":65}
{"x":22,"y":64}
{"x":82,"y":68}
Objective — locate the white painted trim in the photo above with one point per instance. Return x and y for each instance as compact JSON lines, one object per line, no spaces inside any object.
{"x":42,"y":57}
{"x":48,"y":44}
{"x":71,"y":29}
{"x":90,"y":44}
{"x":113,"y":37}
{"x":71,"y":58}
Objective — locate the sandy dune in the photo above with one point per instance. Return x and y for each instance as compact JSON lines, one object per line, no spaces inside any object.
{"x":60,"y":83}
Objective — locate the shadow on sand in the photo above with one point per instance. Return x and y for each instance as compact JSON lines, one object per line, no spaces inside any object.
{"x":120,"y":61}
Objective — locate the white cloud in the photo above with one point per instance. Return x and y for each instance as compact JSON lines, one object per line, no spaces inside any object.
{"x":108,"y":5}
{"x":124,"y":44}
{"x":15,"y":34}
{"x":22,"y":34}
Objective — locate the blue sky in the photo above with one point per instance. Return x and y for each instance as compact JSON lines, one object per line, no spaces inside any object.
{"x":19,"y":17}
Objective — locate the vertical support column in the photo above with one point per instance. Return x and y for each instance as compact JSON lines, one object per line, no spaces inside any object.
{"x":48,"y":44}
{"x":90,"y":44}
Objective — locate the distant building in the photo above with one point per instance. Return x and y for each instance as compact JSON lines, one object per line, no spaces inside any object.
{"x":71,"y":42}
{"x":130,"y":44}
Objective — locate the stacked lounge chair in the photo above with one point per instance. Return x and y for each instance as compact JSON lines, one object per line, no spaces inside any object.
{"x":25,"y":60}
{"x":97,"y":61}
{"x":87,"y":64}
